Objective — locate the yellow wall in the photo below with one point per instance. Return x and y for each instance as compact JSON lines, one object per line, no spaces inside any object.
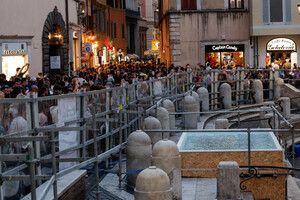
{"x":258,"y":28}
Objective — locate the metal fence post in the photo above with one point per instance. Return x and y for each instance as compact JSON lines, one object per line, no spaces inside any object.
{"x":34,"y":113}
{"x":82,"y":104}
{"x":107,"y":125}
{"x":53,"y":157}
{"x":95,"y":152}
{"x":32,"y":173}
{"x":249,"y":147}
{"x":120,"y":143}
{"x":271,"y":85}
{"x":242,"y":85}
{"x":238,"y":86}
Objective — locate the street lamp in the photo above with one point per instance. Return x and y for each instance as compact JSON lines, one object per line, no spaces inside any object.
{"x":298,"y":8}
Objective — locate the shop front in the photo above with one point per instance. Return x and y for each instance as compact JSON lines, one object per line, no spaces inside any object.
{"x":14,"y":55}
{"x":223,"y":54}
{"x":281,"y":50}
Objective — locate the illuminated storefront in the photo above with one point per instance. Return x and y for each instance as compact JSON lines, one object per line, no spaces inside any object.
{"x":220,"y":55}
{"x":280,"y":49}
{"x":13,"y":55}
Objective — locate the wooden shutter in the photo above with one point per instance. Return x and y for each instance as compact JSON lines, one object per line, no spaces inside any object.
{"x":288,"y":11}
{"x":188,"y":4}
{"x":193,"y":5}
{"x":265,"y":12}
{"x":184,"y":4}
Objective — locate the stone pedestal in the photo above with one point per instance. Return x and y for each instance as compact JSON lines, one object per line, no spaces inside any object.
{"x":225,"y":93}
{"x":228,"y":182}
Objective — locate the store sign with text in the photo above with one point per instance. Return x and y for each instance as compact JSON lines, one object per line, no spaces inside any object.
{"x":281,"y":44}
{"x":224,"y":48}
{"x":14,"y":49}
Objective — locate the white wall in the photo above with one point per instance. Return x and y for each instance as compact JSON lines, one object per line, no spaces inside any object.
{"x":27,"y":18}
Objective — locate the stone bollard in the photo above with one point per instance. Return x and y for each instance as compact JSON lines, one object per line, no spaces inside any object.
{"x":166,"y":156}
{"x":222,"y":124}
{"x":138,"y":154}
{"x":285,"y":103}
{"x":262,"y":114}
{"x":169,"y":105}
{"x":257,"y":89}
{"x":163,"y":116}
{"x":153,"y":184}
{"x":196,"y":96}
{"x":228,"y":182}
{"x":277,"y":88}
{"x":204,"y":98}
{"x":225,"y":92}
{"x":153,"y":123}
{"x":189,"y":105}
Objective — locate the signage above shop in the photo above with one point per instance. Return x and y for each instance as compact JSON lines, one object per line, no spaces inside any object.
{"x":155,"y":44}
{"x":14,"y":49}
{"x":88,"y":47}
{"x":224,"y":48}
{"x":281,"y":44}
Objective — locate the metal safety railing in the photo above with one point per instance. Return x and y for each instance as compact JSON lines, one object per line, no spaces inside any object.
{"x":46,"y":138}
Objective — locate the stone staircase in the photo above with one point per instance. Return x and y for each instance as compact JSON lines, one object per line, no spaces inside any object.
{"x":208,"y":121}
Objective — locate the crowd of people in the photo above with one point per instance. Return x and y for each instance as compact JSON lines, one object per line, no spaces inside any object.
{"x":121,"y":74}
{"x":13,"y":119}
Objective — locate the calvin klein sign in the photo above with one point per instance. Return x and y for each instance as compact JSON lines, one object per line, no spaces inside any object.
{"x":281,"y":44}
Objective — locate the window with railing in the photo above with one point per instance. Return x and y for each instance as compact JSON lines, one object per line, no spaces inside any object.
{"x":276,"y":11}
{"x":188,"y":4}
{"x":236,"y":4}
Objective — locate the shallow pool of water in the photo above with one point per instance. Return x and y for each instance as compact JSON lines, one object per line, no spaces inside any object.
{"x":221,"y":141}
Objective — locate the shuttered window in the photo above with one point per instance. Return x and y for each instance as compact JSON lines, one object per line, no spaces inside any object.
{"x":288,"y":11}
{"x":188,"y":4}
{"x":276,"y":11}
{"x":236,"y":4}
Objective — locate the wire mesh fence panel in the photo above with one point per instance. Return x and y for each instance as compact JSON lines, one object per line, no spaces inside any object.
{"x":131,"y":94}
{"x":15,"y":121}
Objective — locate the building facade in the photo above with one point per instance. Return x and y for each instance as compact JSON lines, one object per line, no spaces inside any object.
{"x":41,"y":37}
{"x":132,"y":27}
{"x":201,"y":31}
{"x":275,"y":32}
{"x":117,"y":29}
{"x":148,"y":9}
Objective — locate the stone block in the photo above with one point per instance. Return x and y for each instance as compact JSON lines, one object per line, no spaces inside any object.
{"x":175,"y":25}
{"x":175,"y":33}
{"x":176,"y":52}
{"x":228,"y":182}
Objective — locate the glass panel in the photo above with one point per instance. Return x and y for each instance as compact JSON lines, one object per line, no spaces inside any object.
{"x":213,"y":59}
{"x":232,"y":3}
{"x":239,"y":4}
{"x":276,"y":11}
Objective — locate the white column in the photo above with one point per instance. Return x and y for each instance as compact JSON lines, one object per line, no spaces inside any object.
{"x":178,"y":4}
{"x":226,"y":4}
{"x":198,"y":4}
